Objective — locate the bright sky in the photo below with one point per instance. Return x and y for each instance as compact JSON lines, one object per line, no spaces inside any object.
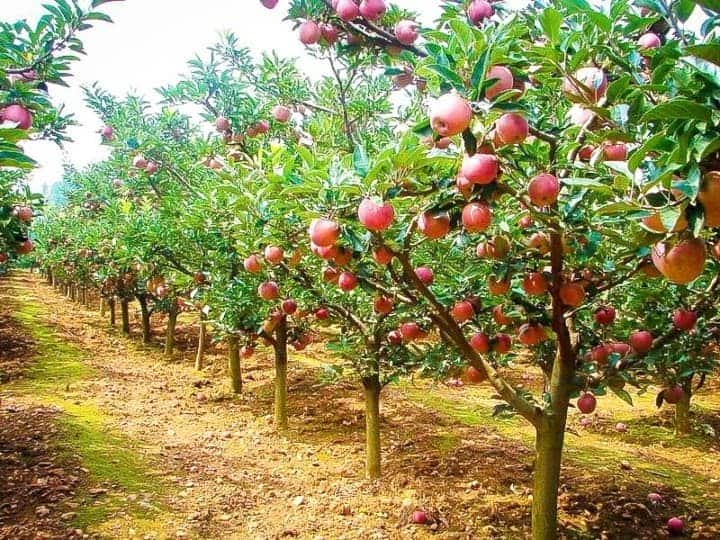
{"x":147,"y":47}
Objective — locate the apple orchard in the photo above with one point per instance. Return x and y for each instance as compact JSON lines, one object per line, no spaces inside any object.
{"x":509,"y":191}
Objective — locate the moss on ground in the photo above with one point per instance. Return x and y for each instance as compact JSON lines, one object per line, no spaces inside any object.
{"x":56,"y":378}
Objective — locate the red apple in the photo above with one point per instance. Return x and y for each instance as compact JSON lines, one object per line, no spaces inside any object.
{"x":586,"y":403}
{"x":281,"y":113}
{"x":499,"y":317}
{"x":309,"y":33}
{"x":462,"y":311}
{"x":222,"y":124}
{"x":480,"y":168}
{"x":374,"y":216}
{"x":383,"y":305}
{"x":274,"y":254}
{"x":410,"y":331}
{"x":406,"y":32}
{"x":605,"y":315}
{"x":512,"y":128}
{"x":675,"y":526}
{"x":382,"y":255}
{"x":347,"y":281}
{"x":535,"y":283}
{"x":476,"y":217}
{"x":270,"y":4}
{"x":434,"y":226}
{"x":474,"y":375}
{"x":139,"y":162}
{"x":425,"y":275}
{"x":503,"y":343}
{"x":108,"y":133}
{"x":25,"y":247}
{"x":682,"y":263}
{"x":419,"y":517}
{"x":572,"y":294}
{"x":268,"y":290}
{"x":347,"y":10}
{"x":498,"y":287}
{"x":253,"y":264}
{"x":372,"y":10}
{"x":480,"y":342}
{"x":479,"y":10}
{"x":615,"y":151}
{"x":587,"y":84}
{"x":505,"y":81}
{"x":246,"y":351}
{"x":649,"y":40}
{"x":673,"y":394}
{"x":324,"y":232}
{"x":322,"y":314}
{"x":450,"y":115}
{"x":641,"y":341}
{"x":684,"y":319}
{"x":289,"y":306}
{"x":17,"y":114}
{"x":151,"y":167}
{"x":24,"y":213}
{"x":395,"y":337}
{"x":544,"y":189}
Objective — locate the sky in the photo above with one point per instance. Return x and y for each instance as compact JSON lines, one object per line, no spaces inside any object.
{"x":148,"y":47}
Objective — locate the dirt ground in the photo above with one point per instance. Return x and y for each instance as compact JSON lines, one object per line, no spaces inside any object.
{"x":145,"y":447}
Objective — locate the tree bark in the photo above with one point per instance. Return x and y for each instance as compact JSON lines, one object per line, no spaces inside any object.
{"x":125,"y":312}
{"x":202,"y":343}
{"x":170,"y":332}
{"x":103,"y":307}
{"x":234,"y":363}
{"x":372,"y":388}
{"x":682,"y":411}
{"x":111,"y":305}
{"x":145,"y":316}
{"x":281,"y":361}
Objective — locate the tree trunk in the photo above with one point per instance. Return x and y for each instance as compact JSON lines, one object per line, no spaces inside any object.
{"x":103,"y":307}
{"x":371,"y":387}
{"x":54,"y":281}
{"x":281,"y":362}
{"x":145,"y":316}
{"x":83,"y":296}
{"x":202,"y":343}
{"x":170,"y":332}
{"x":125,"y":312}
{"x":234,"y":362}
{"x":50,"y":277}
{"x":111,"y":305}
{"x":548,"y":447}
{"x":682,"y":411}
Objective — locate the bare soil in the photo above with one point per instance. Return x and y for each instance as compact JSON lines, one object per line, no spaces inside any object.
{"x":226,"y":473}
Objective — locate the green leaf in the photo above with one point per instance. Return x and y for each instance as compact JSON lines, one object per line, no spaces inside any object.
{"x":361,"y":162}
{"x":97,"y":16}
{"x":551,"y":20}
{"x":648,"y":146}
{"x":448,"y":75}
{"x":690,"y":185}
{"x":707,"y":51}
{"x":712,"y":5}
{"x":678,"y":108}
{"x":622,"y":394}
{"x":621,"y":207}
{"x":684,"y":8}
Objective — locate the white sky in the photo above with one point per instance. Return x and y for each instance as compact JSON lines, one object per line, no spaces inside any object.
{"x":147,"y":47}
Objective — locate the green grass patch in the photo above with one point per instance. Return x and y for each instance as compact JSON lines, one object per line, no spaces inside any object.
{"x":56,"y":377}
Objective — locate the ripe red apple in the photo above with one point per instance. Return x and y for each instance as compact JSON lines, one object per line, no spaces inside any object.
{"x":327,"y":253}
{"x":3,"y":258}
{"x":347,"y":281}
{"x":309,"y":33}
{"x":222,"y":124}
{"x":151,"y":167}
{"x":512,"y":128}
{"x":505,"y":81}
{"x":281,"y":113}
{"x":450,"y":115}
{"x":270,"y":4}
{"x":579,"y":115}
{"x":615,"y":151}
{"x":25,"y":247}
{"x":246,"y":351}
{"x":425,"y":275}
{"x":474,"y":375}
{"x":18,"y":115}
{"x":329,"y":33}
{"x":684,"y":319}
{"x":199,"y":277}
{"x":535,"y":283}
{"x":499,"y":317}
{"x":343,"y":256}
{"x":347,"y":10}
{"x":23,"y":213}
{"x":675,"y":526}
{"x":274,"y":254}
{"x":479,"y":10}
{"x":498,"y":287}
{"x":434,"y":226}
{"x":289,"y":306}
{"x":544,"y":189}
{"x":108,"y":133}
{"x":462,"y":311}
{"x":410,"y":331}
{"x":654,"y":223}
{"x":498,"y":247}
{"x":406,"y":32}
{"x":525,"y":222}
{"x":374,"y":216}
{"x":324,"y":232}
{"x":395,"y":337}
{"x":682,"y":263}
{"x":648,"y":41}
{"x":480,"y":342}
{"x":419,"y":517}
{"x":383,"y":305}
{"x":673,"y":394}
{"x":480,"y":168}
{"x":587,"y":84}
{"x":586,"y":152}
{"x":476,"y":217}
{"x":322,"y":314}
{"x":586,"y":403}
{"x":572,"y":294}
{"x":641,"y":341}
{"x":539,"y":241}
{"x":382,"y":255}
{"x":139,"y":162}
{"x":621,"y":427}
{"x":268,"y":290}
{"x":601,"y":353}
{"x":531,"y":334}
{"x":605,"y":315}
{"x":372,"y":10}
{"x":709,"y":197}
{"x":655,"y":498}
{"x":503,"y":344}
